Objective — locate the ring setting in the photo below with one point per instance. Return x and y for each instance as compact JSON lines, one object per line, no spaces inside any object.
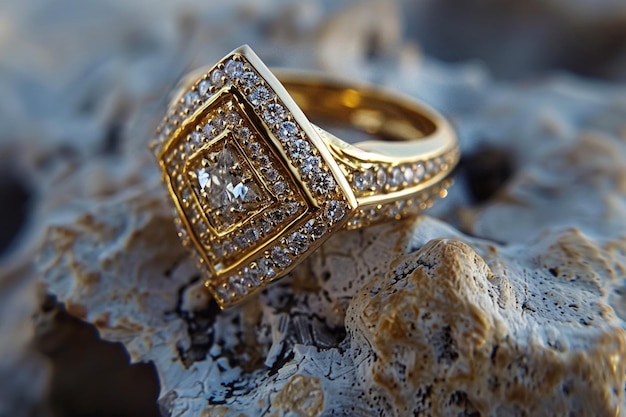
{"x":257,"y":187}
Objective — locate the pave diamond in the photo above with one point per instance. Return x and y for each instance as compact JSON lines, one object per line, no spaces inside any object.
{"x":419,"y":171}
{"x":364,"y":180}
{"x":300,"y":148}
{"x":280,"y":256}
{"x":265,"y":268}
{"x":297,"y":243}
{"x":310,"y":164}
{"x":203,"y":88}
{"x":322,"y":182}
{"x":288,"y":131}
{"x":260,"y":95}
{"x":216,"y":78}
{"x":249,"y":79}
{"x":396,"y":177}
{"x":409,"y":175}
{"x":274,"y":113}
{"x":233,"y":68}
{"x":335,"y":211}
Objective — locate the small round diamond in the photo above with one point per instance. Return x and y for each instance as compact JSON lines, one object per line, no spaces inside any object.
{"x":288,"y":131}
{"x":322,"y":182}
{"x":224,"y":292}
{"x":315,"y":229}
{"x":203,"y":88}
{"x":279,"y":187}
{"x":196,"y":138}
{"x":419,"y":170}
{"x":297,"y":243}
{"x":243,"y":133}
{"x":263,"y":160}
{"x":265,"y":226}
{"x":208,"y":130}
{"x":274,"y":113}
{"x":277,"y":216}
{"x":224,"y":250}
{"x":364,"y":180}
{"x":335,"y":211}
{"x":238,"y":285}
{"x":381,"y":178}
{"x":191,"y":98}
{"x":240,"y":241}
{"x":280,"y":256}
{"x":270,"y":174}
{"x":219,"y":122}
{"x":299,"y":149}
{"x":217,"y":78}
{"x":252,"y":234}
{"x":259,"y":96}
{"x":409,"y":175}
{"x":292,"y":208}
{"x":396,"y":177}
{"x":232,"y":118}
{"x":310,"y":164}
{"x":233,"y":69}
{"x":254,"y":149}
{"x":429,"y":167}
{"x":251,"y":274}
{"x":249,"y":79}
{"x":266,"y":269}
{"x":186,"y":195}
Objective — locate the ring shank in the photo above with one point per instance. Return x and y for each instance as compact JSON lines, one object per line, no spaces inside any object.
{"x":408,"y":130}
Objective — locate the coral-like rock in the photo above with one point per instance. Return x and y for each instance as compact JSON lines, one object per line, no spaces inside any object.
{"x":511,"y":304}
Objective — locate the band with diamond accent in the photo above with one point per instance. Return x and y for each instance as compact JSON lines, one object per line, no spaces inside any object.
{"x":256,"y":187}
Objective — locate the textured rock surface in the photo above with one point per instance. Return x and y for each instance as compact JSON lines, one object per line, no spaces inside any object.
{"x":512,"y":304}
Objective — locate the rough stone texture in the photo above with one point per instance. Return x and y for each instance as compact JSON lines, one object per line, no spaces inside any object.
{"x":511,"y":304}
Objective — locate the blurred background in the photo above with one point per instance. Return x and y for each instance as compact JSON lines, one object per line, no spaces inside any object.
{"x":83,"y":83}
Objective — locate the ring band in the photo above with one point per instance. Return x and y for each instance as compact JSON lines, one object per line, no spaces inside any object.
{"x":257,"y":187}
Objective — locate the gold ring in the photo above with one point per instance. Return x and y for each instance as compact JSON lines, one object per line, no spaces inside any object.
{"x":257,"y":187}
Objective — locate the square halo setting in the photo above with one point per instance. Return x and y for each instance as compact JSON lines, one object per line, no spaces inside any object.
{"x":254,"y":186}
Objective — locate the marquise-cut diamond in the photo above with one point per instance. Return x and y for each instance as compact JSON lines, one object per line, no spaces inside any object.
{"x":221,"y":182}
{"x":226,"y":187}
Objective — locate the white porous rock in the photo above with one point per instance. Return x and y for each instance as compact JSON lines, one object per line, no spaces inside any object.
{"x":522,"y":313}
{"x":436,"y":322}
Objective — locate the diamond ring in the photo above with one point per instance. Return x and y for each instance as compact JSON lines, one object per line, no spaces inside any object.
{"x":257,"y":186}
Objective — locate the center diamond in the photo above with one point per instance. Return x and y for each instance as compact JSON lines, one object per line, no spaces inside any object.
{"x":226,"y":186}
{"x":223,"y":185}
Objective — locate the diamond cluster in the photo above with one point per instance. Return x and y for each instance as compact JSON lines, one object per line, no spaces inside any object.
{"x":387,"y":178}
{"x":251,"y":189}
